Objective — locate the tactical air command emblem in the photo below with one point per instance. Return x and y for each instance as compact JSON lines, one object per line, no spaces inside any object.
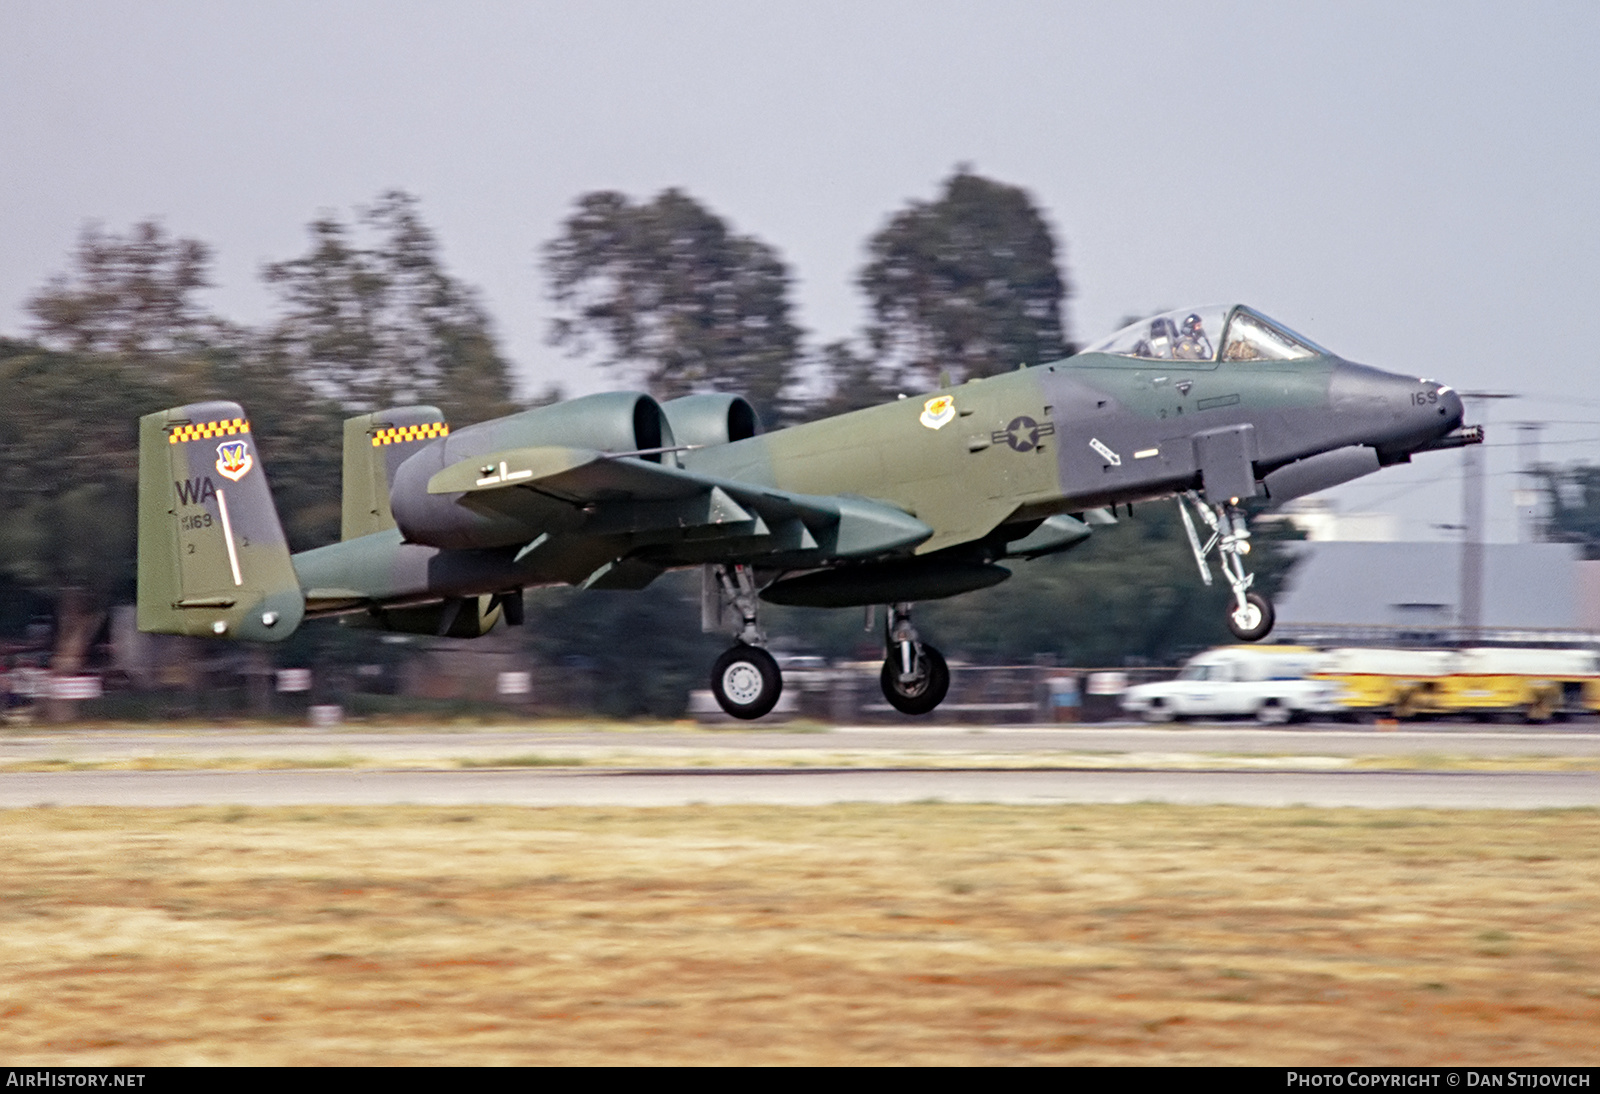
{"x":233,"y":459}
{"x":938,"y":411}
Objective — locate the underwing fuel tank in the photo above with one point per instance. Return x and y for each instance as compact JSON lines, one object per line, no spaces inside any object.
{"x":884,"y":583}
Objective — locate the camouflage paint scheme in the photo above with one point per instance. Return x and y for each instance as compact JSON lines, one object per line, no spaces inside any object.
{"x":909,"y":500}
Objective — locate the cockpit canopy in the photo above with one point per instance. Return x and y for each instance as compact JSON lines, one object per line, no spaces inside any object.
{"x":1216,"y":332}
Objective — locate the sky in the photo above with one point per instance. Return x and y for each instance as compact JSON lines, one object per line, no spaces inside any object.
{"x":1412,"y":185}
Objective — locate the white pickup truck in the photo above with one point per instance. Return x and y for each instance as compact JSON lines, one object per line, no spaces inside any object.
{"x":1268,"y":683}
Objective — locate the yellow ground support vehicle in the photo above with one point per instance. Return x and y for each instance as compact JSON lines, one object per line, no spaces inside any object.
{"x":1533,"y":683}
{"x":1539,"y":684}
{"x":1387,"y":681}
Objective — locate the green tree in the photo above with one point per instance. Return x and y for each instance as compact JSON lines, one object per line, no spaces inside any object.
{"x":850,"y":380}
{"x":122,"y":335}
{"x":132,"y":295}
{"x":967,"y":283}
{"x":68,"y":482}
{"x":666,"y":290}
{"x":378,"y":322}
{"x":643,"y":649}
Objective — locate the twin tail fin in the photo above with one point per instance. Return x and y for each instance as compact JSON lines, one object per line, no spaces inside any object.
{"x":213,"y":560}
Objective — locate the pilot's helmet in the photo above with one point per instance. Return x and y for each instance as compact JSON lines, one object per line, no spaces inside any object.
{"x":1192,"y":324}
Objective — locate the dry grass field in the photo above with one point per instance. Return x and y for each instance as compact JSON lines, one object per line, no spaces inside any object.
{"x":927,"y":933}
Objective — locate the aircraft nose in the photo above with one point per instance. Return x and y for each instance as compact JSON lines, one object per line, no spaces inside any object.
{"x":1450,"y":407}
{"x":1393,"y":412}
{"x":1435,"y":408}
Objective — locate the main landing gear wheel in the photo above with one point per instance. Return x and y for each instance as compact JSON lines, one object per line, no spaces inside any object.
{"x":927,"y":686}
{"x":746,"y":681}
{"x":1252,"y":621}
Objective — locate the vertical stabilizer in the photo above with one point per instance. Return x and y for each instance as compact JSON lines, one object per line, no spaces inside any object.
{"x":212,"y":555}
{"x":374,"y":445}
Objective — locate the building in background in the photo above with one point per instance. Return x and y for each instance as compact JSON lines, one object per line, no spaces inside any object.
{"x":1351,"y":591}
{"x":1322,"y":522}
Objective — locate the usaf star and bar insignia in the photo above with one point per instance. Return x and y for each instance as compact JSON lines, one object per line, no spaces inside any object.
{"x":1023,"y":433}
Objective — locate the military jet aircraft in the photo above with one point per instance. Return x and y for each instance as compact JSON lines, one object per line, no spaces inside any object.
{"x":912,"y":500}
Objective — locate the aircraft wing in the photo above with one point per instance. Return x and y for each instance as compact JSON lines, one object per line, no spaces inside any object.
{"x":685,"y":516}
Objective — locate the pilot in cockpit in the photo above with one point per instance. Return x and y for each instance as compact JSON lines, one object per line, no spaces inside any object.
{"x":1192,"y":344}
{"x":1163,"y":338}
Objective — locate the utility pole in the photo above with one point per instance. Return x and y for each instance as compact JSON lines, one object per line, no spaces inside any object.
{"x":1529,"y":497}
{"x":1469,"y":615}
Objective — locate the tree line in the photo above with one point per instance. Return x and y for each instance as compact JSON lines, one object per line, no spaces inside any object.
{"x":661,"y":292}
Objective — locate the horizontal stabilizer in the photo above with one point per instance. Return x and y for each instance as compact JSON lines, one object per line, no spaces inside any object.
{"x":515,"y":467}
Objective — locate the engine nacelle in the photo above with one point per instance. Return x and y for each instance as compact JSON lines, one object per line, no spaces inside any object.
{"x":617,"y":421}
{"x":705,"y":420}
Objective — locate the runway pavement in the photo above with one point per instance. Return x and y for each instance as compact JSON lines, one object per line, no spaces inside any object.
{"x":1373,"y":789}
{"x":581,"y":742}
{"x":1099,"y":764}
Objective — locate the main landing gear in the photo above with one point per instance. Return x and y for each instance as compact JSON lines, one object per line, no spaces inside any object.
{"x":746,"y":679}
{"x":1250,"y":617}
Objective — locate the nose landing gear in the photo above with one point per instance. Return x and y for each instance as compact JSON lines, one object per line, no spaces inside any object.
{"x":915,"y":678}
{"x":1250,"y":617}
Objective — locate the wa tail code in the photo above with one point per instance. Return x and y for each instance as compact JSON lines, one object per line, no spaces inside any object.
{"x":195,"y":491}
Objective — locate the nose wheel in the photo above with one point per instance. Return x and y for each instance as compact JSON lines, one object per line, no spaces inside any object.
{"x":1250,"y":616}
{"x":915,"y":678}
{"x":1253,"y":621}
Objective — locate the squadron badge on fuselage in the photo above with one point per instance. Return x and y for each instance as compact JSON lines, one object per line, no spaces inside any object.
{"x":938,"y":411}
{"x":234,"y":460}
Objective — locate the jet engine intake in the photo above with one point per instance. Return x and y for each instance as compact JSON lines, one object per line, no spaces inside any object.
{"x":622,"y":422}
{"x":711,"y":419}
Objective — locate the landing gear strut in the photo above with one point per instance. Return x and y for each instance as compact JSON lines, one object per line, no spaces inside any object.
{"x":1250,"y":617}
{"x":746,"y":679}
{"x":915,"y":677}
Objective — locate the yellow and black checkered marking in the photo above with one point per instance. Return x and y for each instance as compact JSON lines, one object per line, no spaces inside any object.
{"x":402,"y":433}
{"x":199,"y":431}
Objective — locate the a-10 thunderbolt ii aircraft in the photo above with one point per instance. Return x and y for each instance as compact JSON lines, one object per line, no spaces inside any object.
{"x":913,"y":500}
